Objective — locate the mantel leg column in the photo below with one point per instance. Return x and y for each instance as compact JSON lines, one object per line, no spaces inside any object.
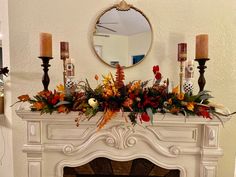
{"x":33,"y":148}
{"x":34,"y":165}
{"x":210,"y":151}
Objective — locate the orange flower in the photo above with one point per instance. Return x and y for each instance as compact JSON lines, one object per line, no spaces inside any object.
{"x":136,"y":85}
{"x":62,"y":96}
{"x":24,"y":98}
{"x":176,"y":90}
{"x":180,"y":96}
{"x":62,"y":109}
{"x":169,"y":101}
{"x":174,"y":110}
{"x":96,"y":77}
{"x":190,"y":106}
{"x":45,"y":94}
{"x":38,"y":105}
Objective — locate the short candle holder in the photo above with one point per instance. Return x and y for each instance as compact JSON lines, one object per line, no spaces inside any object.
{"x":201,"y":67}
{"x":45,"y":65}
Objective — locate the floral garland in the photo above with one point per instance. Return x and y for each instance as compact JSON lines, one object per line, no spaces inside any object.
{"x":112,"y":95}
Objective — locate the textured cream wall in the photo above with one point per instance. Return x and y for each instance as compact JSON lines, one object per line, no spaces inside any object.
{"x":173,"y":21}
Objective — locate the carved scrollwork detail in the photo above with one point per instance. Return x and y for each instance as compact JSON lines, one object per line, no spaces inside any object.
{"x":121,"y":137}
{"x":68,"y":149}
{"x":174,"y":150}
{"x":211,"y":134}
{"x":123,"y":6}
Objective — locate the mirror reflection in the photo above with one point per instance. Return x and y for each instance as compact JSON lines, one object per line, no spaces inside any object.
{"x":122,"y":36}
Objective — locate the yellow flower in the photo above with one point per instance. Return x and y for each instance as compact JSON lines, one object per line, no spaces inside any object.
{"x":107,"y":79}
{"x":190,"y":106}
{"x":135,"y":86}
{"x":60,"y":88}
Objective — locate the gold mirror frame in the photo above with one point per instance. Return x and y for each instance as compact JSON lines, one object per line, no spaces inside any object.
{"x":122,"y":6}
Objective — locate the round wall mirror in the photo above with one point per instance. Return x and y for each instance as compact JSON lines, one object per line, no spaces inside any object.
{"x":122,"y":35}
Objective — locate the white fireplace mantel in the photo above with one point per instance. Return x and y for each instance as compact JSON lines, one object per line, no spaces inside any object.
{"x":190,"y":144}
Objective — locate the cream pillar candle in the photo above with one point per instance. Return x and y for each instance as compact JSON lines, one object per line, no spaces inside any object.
{"x":45,"y":44}
{"x":201,"y":46}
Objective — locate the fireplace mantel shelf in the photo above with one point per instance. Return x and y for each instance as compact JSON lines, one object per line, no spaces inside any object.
{"x":158,"y":118}
{"x":190,"y":144}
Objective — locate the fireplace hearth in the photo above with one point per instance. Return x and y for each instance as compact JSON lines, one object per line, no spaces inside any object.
{"x":174,"y":146}
{"x":104,"y":167}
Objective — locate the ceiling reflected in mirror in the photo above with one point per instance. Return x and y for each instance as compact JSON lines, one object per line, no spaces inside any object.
{"x":122,"y":35}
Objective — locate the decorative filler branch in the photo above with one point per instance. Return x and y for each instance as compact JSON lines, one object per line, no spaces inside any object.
{"x":4,"y":71}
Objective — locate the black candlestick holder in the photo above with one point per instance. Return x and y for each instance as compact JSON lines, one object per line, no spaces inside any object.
{"x":201,"y":67}
{"x":45,"y":78}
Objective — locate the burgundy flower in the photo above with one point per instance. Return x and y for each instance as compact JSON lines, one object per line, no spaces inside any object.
{"x":145,"y":117}
{"x":131,"y":96}
{"x":155,"y":69}
{"x":158,"y":76}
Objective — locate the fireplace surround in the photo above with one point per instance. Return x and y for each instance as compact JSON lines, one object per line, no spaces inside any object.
{"x":188,"y":144}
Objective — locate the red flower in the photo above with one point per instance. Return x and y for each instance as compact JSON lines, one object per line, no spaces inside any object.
{"x":158,"y":76}
{"x":155,"y":69}
{"x":204,"y":111}
{"x":145,"y":117}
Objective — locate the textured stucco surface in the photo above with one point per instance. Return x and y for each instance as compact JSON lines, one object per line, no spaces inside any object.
{"x":173,"y":21}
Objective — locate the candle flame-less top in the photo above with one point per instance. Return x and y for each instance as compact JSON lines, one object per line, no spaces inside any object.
{"x":201,"y":46}
{"x":64,"y":50}
{"x":182,"y":51}
{"x":45,"y":45}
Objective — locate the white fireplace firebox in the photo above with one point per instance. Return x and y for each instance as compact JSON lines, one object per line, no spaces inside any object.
{"x":189,"y":144}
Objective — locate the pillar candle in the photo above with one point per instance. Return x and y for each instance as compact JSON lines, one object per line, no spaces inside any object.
{"x":45,"y":45}
{"x":182,"y":51}
{"x":201,"y":46}
{"x":64,"y":50}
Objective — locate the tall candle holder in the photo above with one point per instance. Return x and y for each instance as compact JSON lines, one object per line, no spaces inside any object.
{"x":201,"y":67}
{"x":64,"y":71}
{"x":182,"y":57}
{"x":181,"y":76}
{"x":64,"y":55}
{"x":45,"y":65}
